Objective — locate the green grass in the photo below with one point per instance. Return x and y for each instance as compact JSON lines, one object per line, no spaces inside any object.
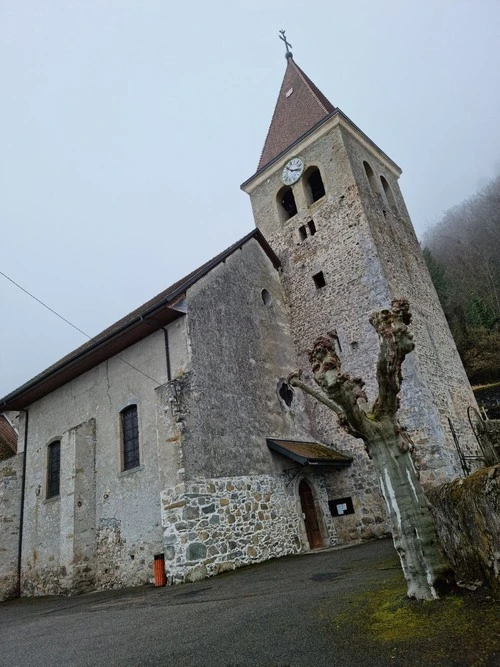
{"x":456,"y":630}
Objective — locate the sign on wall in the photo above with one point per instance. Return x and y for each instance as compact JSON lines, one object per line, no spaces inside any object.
{"x":341,"y":506}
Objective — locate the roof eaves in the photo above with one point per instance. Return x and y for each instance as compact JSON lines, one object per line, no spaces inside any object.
{"x":334,"y":462}
{"x":99,"y":342}
{"x":283,"y":152}
{"x":6,"y":401}
{"x":313,"y":129}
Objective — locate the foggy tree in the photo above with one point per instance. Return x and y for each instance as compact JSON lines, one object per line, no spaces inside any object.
{"x":463,"y":256}
{"x":439,"y":277}
{"x":426,"y":571}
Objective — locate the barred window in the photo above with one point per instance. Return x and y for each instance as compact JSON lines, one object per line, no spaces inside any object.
{"x":130,"y":437}
{"x":53,"y":468}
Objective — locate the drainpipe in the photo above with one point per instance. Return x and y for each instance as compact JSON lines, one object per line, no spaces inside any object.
{"x":167,"y":354}
{"x":167,"y":349}
{"x":21,"y":513}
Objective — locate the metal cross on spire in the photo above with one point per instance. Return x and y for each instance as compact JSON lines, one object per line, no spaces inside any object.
{"x":288,"y":46}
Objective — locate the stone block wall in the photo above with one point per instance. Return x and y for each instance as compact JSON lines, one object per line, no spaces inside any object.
{"x":241,"y":350}
{"x":11,"y":472}
{"x":355,"y":286}
{"x":435,"y":383}
{"x":467,"y":513}
{"x":366,"y":248}
{"x":217,"y":525}
{"x":369,"y":520}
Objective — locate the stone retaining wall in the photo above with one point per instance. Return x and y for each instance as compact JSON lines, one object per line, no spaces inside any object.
{"x":223,"y":523}
{"x":10,"y":506}
{"x":467,"y":513}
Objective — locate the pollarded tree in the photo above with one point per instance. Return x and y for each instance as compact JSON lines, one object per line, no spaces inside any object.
{"x":425,"y":568}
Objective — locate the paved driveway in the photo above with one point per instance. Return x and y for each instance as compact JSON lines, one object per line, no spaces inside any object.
{"x":302,"y":610}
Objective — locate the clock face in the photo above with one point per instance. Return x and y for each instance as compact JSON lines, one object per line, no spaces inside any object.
{"x":292,"y":170}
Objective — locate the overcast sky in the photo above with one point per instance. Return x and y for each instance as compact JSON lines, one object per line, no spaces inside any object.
{"x":127,"y":127}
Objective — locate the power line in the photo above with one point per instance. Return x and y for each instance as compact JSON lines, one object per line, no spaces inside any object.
{"x":44,"y":304}
{"x":54,"y":312}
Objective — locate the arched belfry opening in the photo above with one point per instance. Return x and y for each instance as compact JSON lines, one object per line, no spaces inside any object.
{"x":314,"y":185}
{"x":286,"y":203}
{"x":388,"y":194}
{"x":310,"y":515}
{"x":371,"y":177}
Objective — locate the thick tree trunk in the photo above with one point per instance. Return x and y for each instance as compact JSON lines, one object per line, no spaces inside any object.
{"x":413,"y":531}
{"x":415,"y":537}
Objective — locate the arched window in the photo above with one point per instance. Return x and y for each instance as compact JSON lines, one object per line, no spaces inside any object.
{"x":130,"y":438}
{"x":371,"y":177}
{"x":388,"y":194}
{"x":53,"y":468}
{"x":314,"y":185}
{"x":286,"y":203}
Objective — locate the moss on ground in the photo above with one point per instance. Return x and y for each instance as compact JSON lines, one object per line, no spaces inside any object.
{"x":461,"y":629}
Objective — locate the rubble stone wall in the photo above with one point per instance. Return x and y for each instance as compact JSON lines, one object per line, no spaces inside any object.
{"x":216,"y":525}
{"x":467,"y":513}
{"x":367,"y":250}
{"x":11,"y":472}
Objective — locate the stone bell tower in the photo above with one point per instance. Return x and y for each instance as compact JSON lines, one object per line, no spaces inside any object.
{"x":327,"y":199}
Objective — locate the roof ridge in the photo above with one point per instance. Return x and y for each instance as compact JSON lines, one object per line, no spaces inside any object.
{"x":312,"y":87}
{"x":139,"y":315}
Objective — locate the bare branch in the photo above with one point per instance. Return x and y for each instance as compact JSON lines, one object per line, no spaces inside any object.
{"x":339,"y":387}
{"x":295,"y":381}
{"x":395,"y":343}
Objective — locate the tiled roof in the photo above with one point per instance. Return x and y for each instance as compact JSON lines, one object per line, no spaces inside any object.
{"x":295,"y":113}
{"x":309,"y":453}
{"x":127,"y":331}
{"x":8,"y":439}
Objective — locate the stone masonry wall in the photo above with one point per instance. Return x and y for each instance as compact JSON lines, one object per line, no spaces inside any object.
{"x":467,"y":514}
{"x":355,"y":286}
{"x":216,"y":525}
{"x":11,"y":472}
{"x":242,"y":350}
{"x":367,"y":250}
{"x":369,"y":520}
{"x":436,"y":386}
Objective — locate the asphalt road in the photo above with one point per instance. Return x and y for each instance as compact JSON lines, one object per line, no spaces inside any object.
{"x":276,"y":614}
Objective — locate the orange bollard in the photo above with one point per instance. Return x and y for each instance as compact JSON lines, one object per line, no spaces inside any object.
{"x":159,"y":568}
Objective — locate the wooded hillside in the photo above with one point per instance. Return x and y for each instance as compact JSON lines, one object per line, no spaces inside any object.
{"x":462,"y":252}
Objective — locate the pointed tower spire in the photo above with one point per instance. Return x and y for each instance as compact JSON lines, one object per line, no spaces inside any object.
{"x":300,"y":106}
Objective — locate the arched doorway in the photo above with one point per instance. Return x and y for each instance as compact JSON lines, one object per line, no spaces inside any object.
{"x":310,"y":516}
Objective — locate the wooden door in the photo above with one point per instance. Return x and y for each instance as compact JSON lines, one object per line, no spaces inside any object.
{"x":310,"y":516}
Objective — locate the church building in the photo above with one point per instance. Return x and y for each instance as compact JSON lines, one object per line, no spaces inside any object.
{"x":174,"y":431}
